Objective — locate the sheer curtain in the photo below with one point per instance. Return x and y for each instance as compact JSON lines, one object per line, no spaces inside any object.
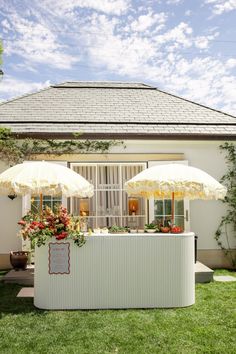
{"x":109,"y":205}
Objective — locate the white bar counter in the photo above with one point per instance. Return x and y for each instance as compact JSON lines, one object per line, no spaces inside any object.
{"x":117,"y":271}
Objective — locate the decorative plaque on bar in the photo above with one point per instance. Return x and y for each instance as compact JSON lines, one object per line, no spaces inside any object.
{"x":59,"y":258}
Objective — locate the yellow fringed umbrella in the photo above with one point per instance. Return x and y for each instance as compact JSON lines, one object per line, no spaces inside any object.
{"x":38,"y":178}
{"x":174,"y":181}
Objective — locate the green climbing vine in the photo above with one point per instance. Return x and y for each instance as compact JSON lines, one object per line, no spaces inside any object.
{"x":14,"y":149}
{"x":228,"y":221}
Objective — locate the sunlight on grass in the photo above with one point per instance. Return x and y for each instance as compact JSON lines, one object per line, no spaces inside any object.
{"x":207,"y":327}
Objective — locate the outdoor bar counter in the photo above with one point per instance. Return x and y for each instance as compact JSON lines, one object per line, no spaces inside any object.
{"x":116,"y":271}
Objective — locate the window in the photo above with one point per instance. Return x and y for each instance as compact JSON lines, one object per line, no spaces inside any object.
{"x":110,"y":204}
{"x":32,"y":203}
{"x":51,"y":202}
{"x":162,"y":212}
{"x":160,"y":209}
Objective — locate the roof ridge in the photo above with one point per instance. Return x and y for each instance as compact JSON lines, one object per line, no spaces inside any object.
{"x":196,"y":103}
{"x":102,"y":84}
{"x":104,"y":81}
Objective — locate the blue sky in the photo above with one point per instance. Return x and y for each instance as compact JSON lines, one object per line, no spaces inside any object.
{"x":185,"y":47}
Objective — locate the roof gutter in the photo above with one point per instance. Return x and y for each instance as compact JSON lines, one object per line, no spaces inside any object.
{"x":127,"y":136}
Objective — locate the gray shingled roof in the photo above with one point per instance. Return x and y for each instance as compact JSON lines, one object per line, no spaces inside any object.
{"x":112,"y":109}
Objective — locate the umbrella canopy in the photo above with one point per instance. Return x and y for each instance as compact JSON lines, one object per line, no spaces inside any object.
{"x":46,"y":178}
{"x":184,"y":181}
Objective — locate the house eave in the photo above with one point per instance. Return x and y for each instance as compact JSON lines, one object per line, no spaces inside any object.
{"x":127,"y":136}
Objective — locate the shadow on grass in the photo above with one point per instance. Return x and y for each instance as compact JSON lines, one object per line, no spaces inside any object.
{"x":10,"y":303}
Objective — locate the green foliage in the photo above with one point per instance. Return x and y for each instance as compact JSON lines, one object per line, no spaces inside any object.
{"x":118,"y":229}
{"x":151,"y":226}
{"x":41,"y":227}
{"x":228,"y":220}
{"x":15,"y":150}
{"x":78,"y":237}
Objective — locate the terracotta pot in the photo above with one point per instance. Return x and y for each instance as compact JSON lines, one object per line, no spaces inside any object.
{"x":19,"y":259}
{"x":165,"y":229}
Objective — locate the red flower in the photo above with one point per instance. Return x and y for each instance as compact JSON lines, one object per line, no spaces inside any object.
{"x":22,"y":222}
{"x":41,"y":226}
{"x":62,"y":235}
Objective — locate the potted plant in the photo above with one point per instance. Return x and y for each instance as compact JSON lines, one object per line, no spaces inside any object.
{"x":97,"y":230}
{"x":105,"y":230}
{"x":19,"y":259}
{"x":150,"y":228}
{"x":132,"y":230}
{"x":140,"y":231}
{"x":118,"y":230}
{"x":165,"y":229}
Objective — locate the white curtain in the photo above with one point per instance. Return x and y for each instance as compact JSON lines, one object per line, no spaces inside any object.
{"x":109,"y":203}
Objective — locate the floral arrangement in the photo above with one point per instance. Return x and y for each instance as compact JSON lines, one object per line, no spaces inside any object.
{"x":59,"y":224}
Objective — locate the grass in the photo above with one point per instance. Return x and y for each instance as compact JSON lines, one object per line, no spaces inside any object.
{"x":2,"y":273}
{"x":207,"y":327}
{"x":232,"y":273}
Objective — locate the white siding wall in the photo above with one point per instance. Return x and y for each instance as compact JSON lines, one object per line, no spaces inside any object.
{"x":10,"y":213}
{"x":205,"y":215}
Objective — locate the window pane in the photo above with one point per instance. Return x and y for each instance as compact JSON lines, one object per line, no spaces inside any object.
{"x":179,"y":207}
{"x":109,"y":203}
{"x":158,"y":207}
{"x":108,"y":177}
{"x":51,"y":202}
{"x":163,"y":215}
{"x":135,"y":222}
{"x":167,"y":206}
{"x":84,"y":206}
{"x":88,"y":172}
{"x":129,"y":171}
{"x":179,"y":221}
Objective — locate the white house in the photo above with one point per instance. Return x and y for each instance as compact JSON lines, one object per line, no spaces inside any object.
{"x":155,"y":126}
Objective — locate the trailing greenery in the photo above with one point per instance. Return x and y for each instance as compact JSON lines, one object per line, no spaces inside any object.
{"x":15,"y":150}
{"x":206,"y":327}
{"x":228,"y":221}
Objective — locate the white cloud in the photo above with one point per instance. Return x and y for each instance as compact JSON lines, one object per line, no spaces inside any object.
{"x":144,"y":22}
{"x":11,"y":87}
{"x":201,"y":42}
{"x":179,"y":35}
{"x":37,"y":43}
{"x":6,"y":25}
{"x":173,"y":2}
{"x":159,"y":59}
{"x":230,"y":63}
{"x":205,"y":80}
{"x":114,"y":7}
{"x":221,"y":6}
{"x":188,"y":13}
{"x":137,"y":46}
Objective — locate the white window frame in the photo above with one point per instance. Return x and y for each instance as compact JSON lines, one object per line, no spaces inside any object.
{"x":186,"y":201}
{"x":118,"y":163}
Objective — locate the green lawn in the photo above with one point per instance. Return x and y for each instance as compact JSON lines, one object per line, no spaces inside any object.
{"x":207,"y":327}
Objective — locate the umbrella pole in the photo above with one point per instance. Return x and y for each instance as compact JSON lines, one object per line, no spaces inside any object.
{"x":41,"y":206}
{"x":173,"y":209}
